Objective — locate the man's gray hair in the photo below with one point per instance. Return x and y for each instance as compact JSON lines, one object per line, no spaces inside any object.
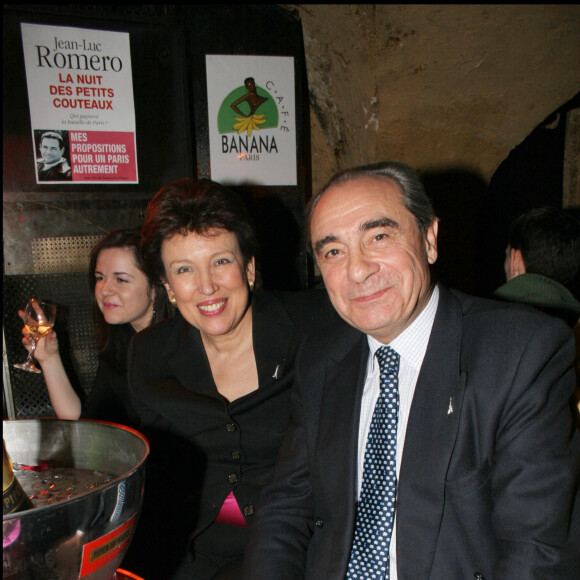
{"x":415,"y":198}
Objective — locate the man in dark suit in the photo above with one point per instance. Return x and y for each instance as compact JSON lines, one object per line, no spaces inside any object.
{"x":462,"y":416}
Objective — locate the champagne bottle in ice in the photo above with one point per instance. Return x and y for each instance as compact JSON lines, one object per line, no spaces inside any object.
{"x":15,"y":499}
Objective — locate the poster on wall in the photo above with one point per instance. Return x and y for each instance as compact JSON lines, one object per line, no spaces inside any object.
{"x":82,"y":112}
{"x":252,"y":119}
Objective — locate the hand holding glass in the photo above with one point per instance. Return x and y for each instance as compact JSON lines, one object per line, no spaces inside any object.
{"x":39,"y":317}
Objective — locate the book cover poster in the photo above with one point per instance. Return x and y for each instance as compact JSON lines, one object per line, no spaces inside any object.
{"x":252,"y":119}
{"x":82,"y":112}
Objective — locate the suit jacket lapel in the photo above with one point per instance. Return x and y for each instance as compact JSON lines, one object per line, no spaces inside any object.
{"x":187,"y":360}
{"x":339,"y":419}
{"x":429,"y":441}
{"x":272,"y":330}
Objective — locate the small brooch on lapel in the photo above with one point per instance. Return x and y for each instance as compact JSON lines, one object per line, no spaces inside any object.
{"x":275,"y":375}
{"x":451,"y":408}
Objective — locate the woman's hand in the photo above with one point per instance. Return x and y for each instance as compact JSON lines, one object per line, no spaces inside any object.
{"x":47,"y":346}
{"x":65,"y":401}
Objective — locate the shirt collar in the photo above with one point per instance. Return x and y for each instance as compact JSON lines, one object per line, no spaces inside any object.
{"x":411,"y":344}
{"x":51,"y":165}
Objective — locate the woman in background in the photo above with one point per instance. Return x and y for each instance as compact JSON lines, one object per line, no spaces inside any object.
{"x":124,"y":302}
{"x":216,"y":378}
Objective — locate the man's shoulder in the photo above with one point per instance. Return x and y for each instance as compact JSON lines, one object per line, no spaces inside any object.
{"x":56,"y":172}
{"x":295,"y":300}
{"x":65,"y":167}
{"x":486,"y":321}
{"x":307,"y":309}
{"x":336,"y":338}
{"x":501,"y":311}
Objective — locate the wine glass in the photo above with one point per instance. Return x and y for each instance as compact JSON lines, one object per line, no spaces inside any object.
{"x":38,"y":320}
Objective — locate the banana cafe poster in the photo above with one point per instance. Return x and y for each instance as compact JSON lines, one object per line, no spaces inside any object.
{"x":252,"y":119}
{"x":82,"y":112}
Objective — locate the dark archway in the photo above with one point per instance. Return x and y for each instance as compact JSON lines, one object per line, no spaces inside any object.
{"x":530,"y":176}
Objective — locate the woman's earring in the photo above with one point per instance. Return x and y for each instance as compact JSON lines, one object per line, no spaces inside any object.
{"x":252,"y":285}
{"x":173,"y":300}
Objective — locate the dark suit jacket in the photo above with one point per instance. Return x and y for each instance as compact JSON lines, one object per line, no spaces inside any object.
{"x":489,"y":463}
{"x":203,"y":447}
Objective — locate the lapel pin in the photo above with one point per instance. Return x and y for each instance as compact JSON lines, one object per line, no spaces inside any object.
{"x":275,"y":375}
{"x":451,"y":408}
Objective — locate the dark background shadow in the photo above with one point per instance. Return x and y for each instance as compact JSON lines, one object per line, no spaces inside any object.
{"x":280,"y":232}
{"x":531,"y":176}
{"x":456,"y":196}
{"x":475,"y":216}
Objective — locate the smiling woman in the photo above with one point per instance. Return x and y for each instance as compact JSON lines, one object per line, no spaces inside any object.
{"x":209,"y":280}
{"x":216,"y":378}
{"x":196,"y":266}
{"x":124,"y":302}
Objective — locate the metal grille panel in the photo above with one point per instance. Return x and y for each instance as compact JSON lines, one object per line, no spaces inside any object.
{"x":75,"y":329}
{"x":62,"y":254}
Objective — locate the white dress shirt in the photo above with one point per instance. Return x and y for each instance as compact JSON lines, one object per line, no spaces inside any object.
{"x":411,"y":345}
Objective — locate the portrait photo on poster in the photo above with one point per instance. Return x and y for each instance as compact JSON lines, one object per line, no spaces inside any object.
{"x":52,"y":155}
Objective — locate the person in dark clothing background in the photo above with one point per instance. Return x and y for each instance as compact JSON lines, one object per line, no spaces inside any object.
{"x":542,"y":263}
{"x":542,"y":269}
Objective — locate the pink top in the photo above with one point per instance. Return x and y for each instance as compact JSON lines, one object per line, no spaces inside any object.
{"x":230,"y":513}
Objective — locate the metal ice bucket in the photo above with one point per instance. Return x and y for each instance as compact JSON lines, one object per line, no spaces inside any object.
{"x":87,"y":535}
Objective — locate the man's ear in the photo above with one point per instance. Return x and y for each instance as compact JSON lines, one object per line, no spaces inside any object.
{"x":517,"y":265}
{"x":431,"y":241}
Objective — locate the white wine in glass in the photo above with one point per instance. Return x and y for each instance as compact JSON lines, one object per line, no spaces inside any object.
{"x":39,"y":319}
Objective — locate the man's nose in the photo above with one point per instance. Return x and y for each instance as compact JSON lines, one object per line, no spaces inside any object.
{"x":360,"y":266}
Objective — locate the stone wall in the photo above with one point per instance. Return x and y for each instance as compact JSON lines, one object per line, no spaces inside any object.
{"x":439,"y":87}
